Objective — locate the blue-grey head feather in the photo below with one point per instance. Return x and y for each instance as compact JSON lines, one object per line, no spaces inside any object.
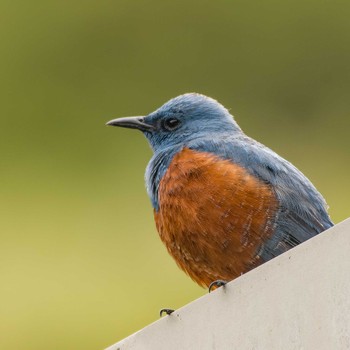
{"x":199,"y":116}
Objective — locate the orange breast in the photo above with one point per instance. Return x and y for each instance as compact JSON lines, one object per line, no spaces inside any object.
{"x":213,"y":216}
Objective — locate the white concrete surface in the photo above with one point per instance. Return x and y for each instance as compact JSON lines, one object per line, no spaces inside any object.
{"x":299,"y":300}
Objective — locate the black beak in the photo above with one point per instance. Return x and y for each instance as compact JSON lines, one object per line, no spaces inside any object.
{"x":132,"y":123}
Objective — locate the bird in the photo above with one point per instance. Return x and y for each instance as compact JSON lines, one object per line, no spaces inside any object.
{"x":223,"y":202}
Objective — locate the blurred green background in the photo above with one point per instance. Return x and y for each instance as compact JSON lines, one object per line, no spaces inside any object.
{"x":81,"y":265}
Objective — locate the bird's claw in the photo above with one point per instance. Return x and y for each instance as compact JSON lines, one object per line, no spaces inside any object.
{"x":217,"y":284}
{"x":166,"y":311}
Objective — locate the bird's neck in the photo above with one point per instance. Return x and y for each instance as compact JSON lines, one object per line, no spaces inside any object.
{"x":161,"y":159}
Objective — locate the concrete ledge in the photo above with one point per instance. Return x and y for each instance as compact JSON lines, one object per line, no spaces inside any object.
{"x":299,"y":300}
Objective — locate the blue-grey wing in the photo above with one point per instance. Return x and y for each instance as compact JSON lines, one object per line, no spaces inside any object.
{"x":302,"y":209}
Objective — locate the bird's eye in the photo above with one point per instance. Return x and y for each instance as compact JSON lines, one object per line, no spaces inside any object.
{"x":171,"y":124}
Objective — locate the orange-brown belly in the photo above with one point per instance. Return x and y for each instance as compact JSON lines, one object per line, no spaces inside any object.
{"x":213,"y":216}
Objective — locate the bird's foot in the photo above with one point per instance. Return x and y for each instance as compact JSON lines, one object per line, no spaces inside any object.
{"x":216,"y":284}
{"x":166,"y":311}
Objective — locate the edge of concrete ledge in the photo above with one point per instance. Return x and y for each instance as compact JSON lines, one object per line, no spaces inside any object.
{"x":299,"y":300}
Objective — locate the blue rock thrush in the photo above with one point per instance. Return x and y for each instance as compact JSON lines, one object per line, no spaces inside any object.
{"x":223,"y":203}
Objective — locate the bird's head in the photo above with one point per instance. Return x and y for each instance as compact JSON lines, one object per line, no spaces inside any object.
{"x":181,"y":120}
